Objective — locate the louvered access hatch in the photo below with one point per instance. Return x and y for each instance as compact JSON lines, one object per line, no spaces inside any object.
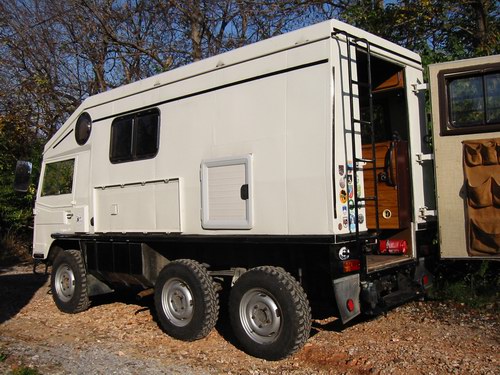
{"x":226,"y":193}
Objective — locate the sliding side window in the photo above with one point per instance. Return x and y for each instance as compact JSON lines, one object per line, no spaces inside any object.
{"x":135,"y":137}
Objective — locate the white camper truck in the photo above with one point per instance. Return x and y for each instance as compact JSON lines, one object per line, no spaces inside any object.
{"x":293,"y":172}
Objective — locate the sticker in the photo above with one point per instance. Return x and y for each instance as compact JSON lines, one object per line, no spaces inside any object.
{"x":349,"y":165}
{"x":361,"y":219}
{"x":341,"y":170}
{"x":349,"y":179}
{"x":352,"y":219}
{"x":340,"y":226}
{"x":351,"y":204}
{"x":345,"y":221}
{"x":342,"y":183}
{"x":344,"y":253}
{"x":344,"y":210}
{"x":350,"y":189}
{"x":353,"y":227}
{"x":343,"y":196}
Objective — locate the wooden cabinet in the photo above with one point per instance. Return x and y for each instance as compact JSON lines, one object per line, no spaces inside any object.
{"x":393,"y":185}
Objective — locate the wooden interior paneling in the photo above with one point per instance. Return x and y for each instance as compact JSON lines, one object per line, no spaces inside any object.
{"x":394,"y":201}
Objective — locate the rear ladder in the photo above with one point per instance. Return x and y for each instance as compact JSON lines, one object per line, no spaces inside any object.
{"x":361,"y":44}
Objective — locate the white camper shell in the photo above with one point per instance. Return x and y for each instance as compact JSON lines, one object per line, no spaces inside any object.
{"x":290,"y":169}
{"x":273,"y":116}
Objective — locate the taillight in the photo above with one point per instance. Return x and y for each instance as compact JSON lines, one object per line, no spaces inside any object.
{"x":425,"y":280}
{"x":350,"y":305}
{"x":351,"y":265}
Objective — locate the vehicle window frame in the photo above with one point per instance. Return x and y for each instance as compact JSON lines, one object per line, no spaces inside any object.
{"x":445,"y":77}
{"x":47,"y":165}
{"x":133,"y":154}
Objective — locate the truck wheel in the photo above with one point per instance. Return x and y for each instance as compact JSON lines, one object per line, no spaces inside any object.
{"x":186,"y":300}
{"x":269,"y":313}
{"x":68,"y":282}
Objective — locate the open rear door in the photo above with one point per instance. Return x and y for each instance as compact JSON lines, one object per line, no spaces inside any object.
{"x":466,"y":120}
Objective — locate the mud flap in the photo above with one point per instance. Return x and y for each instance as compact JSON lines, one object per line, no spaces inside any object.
{"x":96,"y":286}
{"x":347,"y":291}
{"x":422,"y":276}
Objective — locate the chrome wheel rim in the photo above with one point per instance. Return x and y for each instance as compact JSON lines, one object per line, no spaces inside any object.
{"x":260,"y":316}
{"x":177,"y":302}
{"x":65,"y":282}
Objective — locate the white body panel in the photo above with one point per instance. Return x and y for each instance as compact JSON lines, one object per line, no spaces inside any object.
{"x":281,"y":102}
{"x":118,"y":208}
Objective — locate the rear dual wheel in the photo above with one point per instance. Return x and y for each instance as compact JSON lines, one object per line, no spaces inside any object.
{"x":186,"y":300}
{"x":268,"y":308}
{"x":269,"y":312}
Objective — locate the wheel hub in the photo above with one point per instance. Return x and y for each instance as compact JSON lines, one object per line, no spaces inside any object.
{"x":260,"y":316}
{"x":177,"y":302}
{"x":65,"y":282}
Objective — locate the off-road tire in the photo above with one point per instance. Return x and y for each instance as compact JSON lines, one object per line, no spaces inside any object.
{"x":186,"y":300}
{"x":262,"y":332}
{"x":68,"y":282}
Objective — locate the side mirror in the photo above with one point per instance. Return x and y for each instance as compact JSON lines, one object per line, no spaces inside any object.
{"x":23,"y":176}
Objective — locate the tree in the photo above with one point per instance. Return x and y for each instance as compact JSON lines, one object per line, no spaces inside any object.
{"x":438,"y":29}
{"x":55,"y":54}
{"x":16,"y":142}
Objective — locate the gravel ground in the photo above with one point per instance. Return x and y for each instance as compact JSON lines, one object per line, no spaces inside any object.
{"x":119,"y":335}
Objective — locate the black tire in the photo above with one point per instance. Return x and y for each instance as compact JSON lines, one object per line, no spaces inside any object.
{"x":68,"y":282}
{"x":186,"y":300}
{"x":269,"y":313}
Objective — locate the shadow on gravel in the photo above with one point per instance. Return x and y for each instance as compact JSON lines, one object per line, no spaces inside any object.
{"x":223,"y":325}
{"x":16,"y":291}
{"x":333,"y":326}
{"x":128,"y":297}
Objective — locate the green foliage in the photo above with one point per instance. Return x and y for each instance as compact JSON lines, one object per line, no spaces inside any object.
{"x":475,"y":283}
{"x":16,"y":143}
{"x":16,"y":369}
{"x":25,"y":371}
{"x":439,"y":30}
{"x":21,"y":370}
{"x":58,"y":178}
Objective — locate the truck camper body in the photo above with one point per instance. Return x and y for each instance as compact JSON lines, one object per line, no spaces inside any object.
{"x":295,"y":172}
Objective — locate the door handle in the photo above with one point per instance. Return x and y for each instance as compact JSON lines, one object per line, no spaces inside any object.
{"x":69,"y":215}
{"x":387,"y":175}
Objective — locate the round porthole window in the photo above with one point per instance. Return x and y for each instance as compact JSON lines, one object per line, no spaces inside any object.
{"x":83,"y":128}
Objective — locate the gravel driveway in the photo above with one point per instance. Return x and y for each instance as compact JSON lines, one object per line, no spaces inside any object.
{"x":119,"y":335}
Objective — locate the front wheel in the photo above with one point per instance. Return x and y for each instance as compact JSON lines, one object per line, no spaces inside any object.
{"x":186,"y":300}
{"x":270,"y":313}
{"x":68,"y":282}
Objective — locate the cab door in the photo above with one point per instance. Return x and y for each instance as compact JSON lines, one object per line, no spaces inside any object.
{"x":62,"y":204}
